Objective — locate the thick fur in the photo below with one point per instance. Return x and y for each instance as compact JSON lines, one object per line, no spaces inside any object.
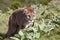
{"x":18,"y":20}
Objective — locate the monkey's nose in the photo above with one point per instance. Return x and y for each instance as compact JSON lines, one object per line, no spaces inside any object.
{"x":31,"y":19}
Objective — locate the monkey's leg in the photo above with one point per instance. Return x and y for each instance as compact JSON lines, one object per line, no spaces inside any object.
{"x":11,"y":31}
{"x":11,"y":28}
{"x":18,"y":28}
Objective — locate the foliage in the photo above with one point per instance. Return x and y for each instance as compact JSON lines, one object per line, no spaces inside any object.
{"x":15,"y":5}
{"x":33,"y":1}
{"x":46,"y":21}
{"x":21,"y":3}
{"x":45,"y":27}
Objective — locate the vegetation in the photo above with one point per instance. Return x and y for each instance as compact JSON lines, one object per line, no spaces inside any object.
{"x":45,"y":27}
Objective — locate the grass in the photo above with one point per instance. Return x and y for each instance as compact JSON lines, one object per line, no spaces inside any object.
{"x":53,"y":35}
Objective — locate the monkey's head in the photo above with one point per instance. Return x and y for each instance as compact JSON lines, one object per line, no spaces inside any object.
{"x":30,"y":13}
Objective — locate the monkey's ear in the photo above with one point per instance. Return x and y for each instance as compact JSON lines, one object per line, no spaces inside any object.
{"x":25,"y":11}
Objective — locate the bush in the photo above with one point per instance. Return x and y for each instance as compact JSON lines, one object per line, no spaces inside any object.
{"x":47,"y":20}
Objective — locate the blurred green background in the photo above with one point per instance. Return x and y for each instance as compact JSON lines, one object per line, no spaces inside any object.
{"x":46,"y":26}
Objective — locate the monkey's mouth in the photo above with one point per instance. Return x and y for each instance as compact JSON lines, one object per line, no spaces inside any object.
{"x":29,"y":23}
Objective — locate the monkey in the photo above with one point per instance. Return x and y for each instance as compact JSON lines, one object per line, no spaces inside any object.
{"x":20,"y":19}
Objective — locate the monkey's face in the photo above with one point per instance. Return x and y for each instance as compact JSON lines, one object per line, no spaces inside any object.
{"x":30,"y":14}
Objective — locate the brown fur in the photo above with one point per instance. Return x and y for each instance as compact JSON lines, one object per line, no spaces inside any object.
{"x":18,"y":21}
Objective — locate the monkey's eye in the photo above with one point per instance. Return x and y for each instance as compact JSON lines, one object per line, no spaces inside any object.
{"x":28,"y":15}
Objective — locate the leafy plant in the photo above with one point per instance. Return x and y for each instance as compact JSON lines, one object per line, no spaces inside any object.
{"x":46,"y":21}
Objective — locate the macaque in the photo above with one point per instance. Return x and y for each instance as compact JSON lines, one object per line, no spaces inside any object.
{"x":20,"y":19}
